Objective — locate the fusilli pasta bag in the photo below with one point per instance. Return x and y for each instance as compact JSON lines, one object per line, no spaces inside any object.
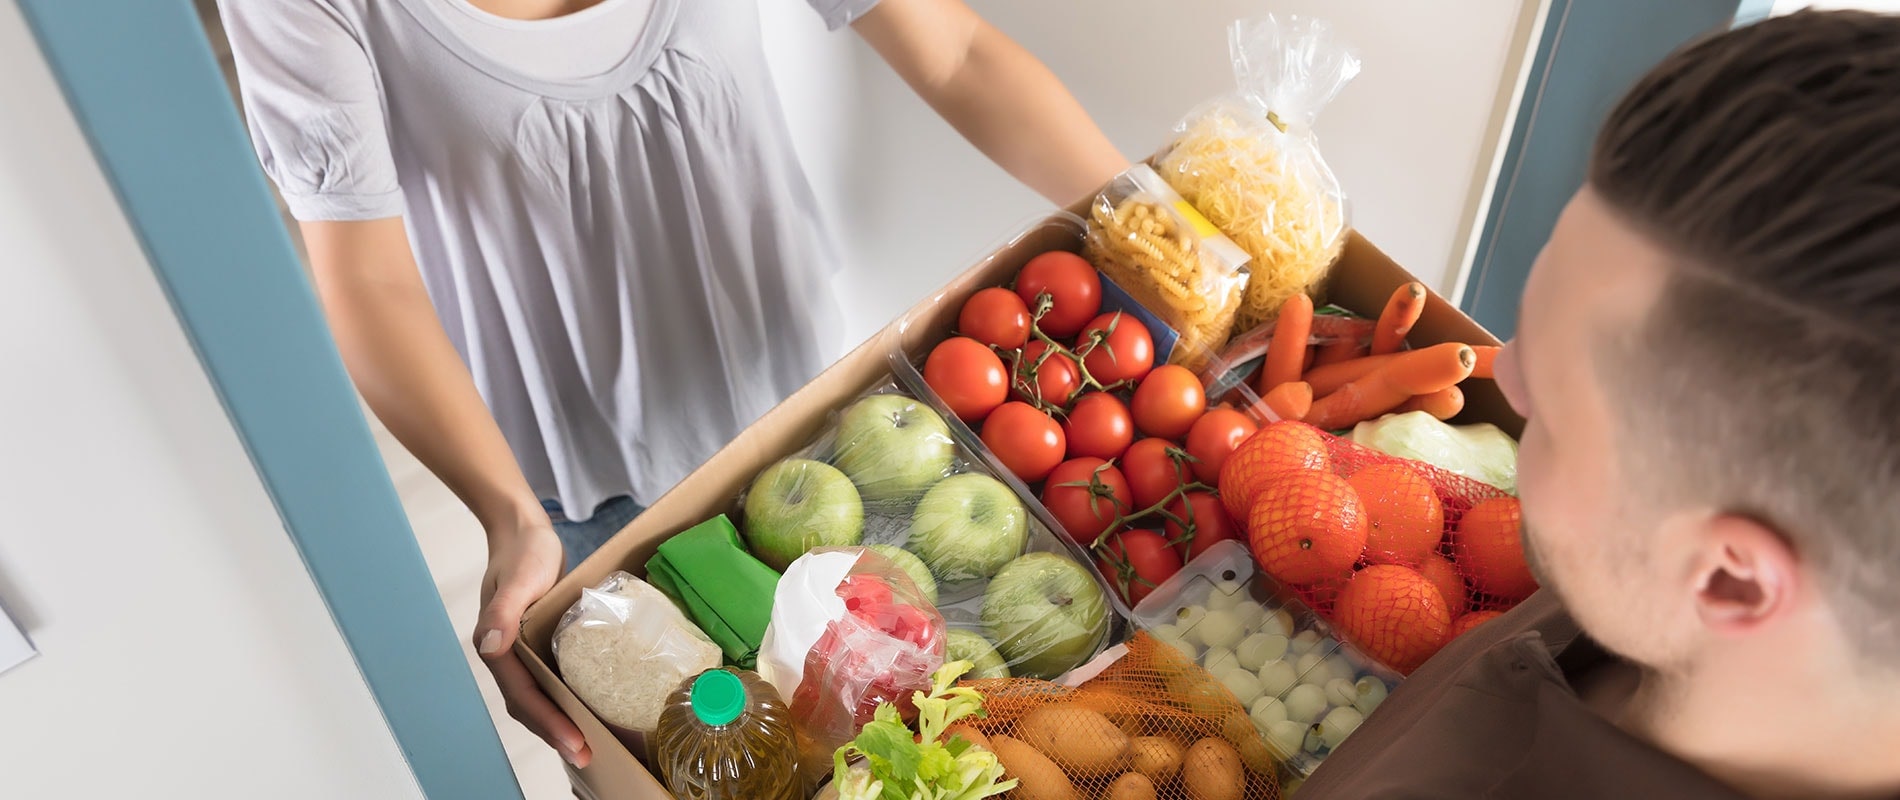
{"x":1251,"y":164}
{"x":1155,"y":246}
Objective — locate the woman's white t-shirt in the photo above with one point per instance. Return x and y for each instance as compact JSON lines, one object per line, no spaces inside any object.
{"x":631,"y":262}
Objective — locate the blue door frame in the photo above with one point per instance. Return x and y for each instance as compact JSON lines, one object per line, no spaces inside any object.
{"x":142,"y":81}
{"x":1591,"y":51}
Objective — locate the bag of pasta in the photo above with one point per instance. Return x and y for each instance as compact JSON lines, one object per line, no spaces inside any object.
{"x":1171,"y":260}
{"x":1250,"y":163}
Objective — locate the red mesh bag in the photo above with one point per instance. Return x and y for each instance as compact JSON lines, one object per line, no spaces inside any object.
{"x":1152,"y":723}
{"x":1399,"y":555}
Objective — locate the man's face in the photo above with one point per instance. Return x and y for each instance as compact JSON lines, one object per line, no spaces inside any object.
{"x":1595,"y":278}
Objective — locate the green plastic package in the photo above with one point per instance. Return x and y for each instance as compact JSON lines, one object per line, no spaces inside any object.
{"x":726,"y":591}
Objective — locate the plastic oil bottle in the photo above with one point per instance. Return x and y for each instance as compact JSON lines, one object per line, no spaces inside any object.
{"x":726,"y":735}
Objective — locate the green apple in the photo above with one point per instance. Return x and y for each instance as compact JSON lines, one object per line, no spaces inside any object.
{"x":798,"y":504}
{"x":967,"y":527}
{"x":1046,"y":614}
{"x":893,"y":447}
{"x":912,"y":566}
{"x":966,"y":646}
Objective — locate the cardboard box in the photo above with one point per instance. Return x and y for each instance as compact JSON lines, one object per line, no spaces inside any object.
{"x":1362,"y":282}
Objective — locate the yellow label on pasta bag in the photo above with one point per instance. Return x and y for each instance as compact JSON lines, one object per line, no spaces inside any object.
{"x":1202,"y":228}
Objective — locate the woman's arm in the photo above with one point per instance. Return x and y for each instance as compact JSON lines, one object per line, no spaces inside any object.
{"x":995,"y":93}
{"x":405,"y":367}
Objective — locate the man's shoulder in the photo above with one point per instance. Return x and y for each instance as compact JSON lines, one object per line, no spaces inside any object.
{"x":1494,"y":716}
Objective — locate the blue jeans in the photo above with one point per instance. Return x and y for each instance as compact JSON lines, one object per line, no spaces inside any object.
{"x":580,"y":539}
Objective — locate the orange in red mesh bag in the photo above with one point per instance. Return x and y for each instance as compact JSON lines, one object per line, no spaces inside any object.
{"x":1394,"y":552}
{"x":1153,"y":724}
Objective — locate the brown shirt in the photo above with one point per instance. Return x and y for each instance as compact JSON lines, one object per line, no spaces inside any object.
{"x":1493,"y":715}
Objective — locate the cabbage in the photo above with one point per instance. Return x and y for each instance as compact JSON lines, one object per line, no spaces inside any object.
{"x":1481,"y":452}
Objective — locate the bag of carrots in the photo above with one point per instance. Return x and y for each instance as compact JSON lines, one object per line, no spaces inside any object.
{"x":1333,"y":370}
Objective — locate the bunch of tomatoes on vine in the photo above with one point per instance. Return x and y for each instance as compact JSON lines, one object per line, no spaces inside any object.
{"x":1068,"y":397}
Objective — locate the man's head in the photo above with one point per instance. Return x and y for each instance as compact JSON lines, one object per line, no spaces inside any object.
{"x":1709,"y":356}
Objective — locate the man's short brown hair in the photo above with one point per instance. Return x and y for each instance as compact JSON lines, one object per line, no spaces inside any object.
{"x":1766,"y":379}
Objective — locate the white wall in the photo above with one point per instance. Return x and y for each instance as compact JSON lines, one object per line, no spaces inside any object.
{"x":1412,"y":138}
{"x":185,"y":652}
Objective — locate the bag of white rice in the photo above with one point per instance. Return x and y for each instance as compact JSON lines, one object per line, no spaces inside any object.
{"x":624,"y":647}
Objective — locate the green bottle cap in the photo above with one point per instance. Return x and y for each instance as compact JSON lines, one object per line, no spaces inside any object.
{"x":718,"y":697}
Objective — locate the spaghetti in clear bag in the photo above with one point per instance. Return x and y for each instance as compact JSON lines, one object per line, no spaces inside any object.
{"x":1251,"y":163}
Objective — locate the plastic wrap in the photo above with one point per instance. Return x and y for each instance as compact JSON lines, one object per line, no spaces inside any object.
{"x":1251,"y":164}
{"x":1154,"y":245}
{"x":909,"y":484}
{"x":1231,"y":376}
{"x":624,"y":647}
{"x":879,"y":643}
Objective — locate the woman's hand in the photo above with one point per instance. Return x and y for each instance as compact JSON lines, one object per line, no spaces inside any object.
{"x":524,"y":559}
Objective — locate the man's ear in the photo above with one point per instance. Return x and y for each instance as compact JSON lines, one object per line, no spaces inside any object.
{"x":1748,"y":575}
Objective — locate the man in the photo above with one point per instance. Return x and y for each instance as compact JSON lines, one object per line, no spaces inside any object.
{"x":1709,"y":363}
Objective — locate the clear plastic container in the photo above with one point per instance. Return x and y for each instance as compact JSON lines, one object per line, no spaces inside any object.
{"x":918,"y":522}
{"x":726,"y":735}
{"x":1306,"y":690}
{"x":920,"y":332}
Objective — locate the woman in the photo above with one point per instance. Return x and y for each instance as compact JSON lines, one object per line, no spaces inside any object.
{"x":565,"y":246}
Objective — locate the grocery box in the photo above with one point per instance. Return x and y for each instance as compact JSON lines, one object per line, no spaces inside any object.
{"x":1362,"y":281}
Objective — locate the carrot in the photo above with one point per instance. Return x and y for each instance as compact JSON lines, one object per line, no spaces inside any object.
{"x":1487,"y":357}
{"x":1391,"y":384}
{"x":1327,"y":378}
{"x":1333,"y":326}
{"x":1290,"y":400}
{"x":1338,"y":350}
{"x":1442,"y":404}
{"x":1401,"y":313}
{"x":1286,"y":354}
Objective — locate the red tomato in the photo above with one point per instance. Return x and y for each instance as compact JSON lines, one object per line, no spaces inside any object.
{"x":1057,"y":378}
{"x":995,"y":316}
{"x":1072,"y":284}
{"x":1086,"y":495}
{"x":1168,"y":402}
{"x":1099,"y":426}
{"x":968,"y":376}
{"x":1210,"y":522}
{"x":1215,"y":435}
{"x":1152,"y":473}
{"x":1135,"y":562}
{"x":1027,"y":441}
{"x":1125,"y":352}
